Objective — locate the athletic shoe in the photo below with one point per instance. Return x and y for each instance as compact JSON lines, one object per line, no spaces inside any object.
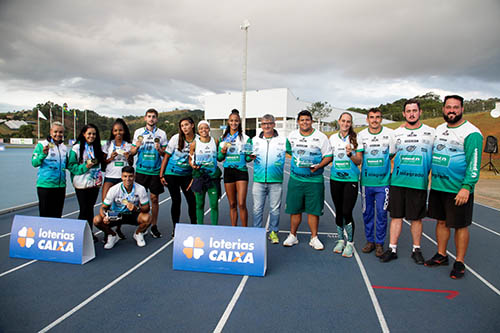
{"x":139,"y":238}
{"x":291,"y":240}
{"x":437,"y":260}
{"x":417,"y":257}
{"x":388,"y":256}
{"x":274,"y":237}
{"x":349,"y":249}
{"x":369,"y":247}
{"x":458,"y":270}
{"x":339,"y":247}
{"x":379,"y":250}
{"x":155,"y":232}
{"x":316,"y":244}
{"x":120,"y":233}
{"x":112,"y":240}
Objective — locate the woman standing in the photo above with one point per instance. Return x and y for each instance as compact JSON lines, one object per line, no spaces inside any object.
{"x":344,"y":179}
{"x":50,"y":157}
{"x":176,"y":173}
{"x":206,"y":173}
{"x":116,"y":156}
{"x":85,"y":161}
{"x":233,"y":150}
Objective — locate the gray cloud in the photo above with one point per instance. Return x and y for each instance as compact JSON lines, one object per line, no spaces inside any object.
{"x":178,"y":51}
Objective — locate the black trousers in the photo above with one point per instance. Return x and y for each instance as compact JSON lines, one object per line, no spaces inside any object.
{"x":86,"y":200}
{"x":344,"y":196}
{"x":51,"y":201}
{"x":175,"y":185}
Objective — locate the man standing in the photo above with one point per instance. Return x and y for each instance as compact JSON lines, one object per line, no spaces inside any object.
{"x":376,"y":146}
{"x":311,"y":152}
{"x":125,"y":203}
{"x":269,"y":152}
{"x":456,"y":161}
{"x":410,"y":179}
{"x":149,"y":143}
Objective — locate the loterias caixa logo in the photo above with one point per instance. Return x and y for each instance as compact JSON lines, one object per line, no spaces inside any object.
{"x":46,"y":239}
{"x":219,"y":250}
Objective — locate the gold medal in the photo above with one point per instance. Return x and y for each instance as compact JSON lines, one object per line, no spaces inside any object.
{"x":140,"y":138}
{"x":157,"y":140}
{"x":125,"y":202}
{"x":228,"y":144}
{"x":51,"y":145}
{"x":120,"y":151}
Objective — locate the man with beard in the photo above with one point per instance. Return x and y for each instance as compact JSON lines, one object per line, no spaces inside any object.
{"x":409,"y":180}
{"x":456,"y":160}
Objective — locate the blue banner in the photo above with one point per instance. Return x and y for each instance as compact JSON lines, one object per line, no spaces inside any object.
{"x":51,"y":239}
{"x":220,"y":249}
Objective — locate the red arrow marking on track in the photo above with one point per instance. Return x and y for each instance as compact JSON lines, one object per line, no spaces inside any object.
{"x":451,"y":293}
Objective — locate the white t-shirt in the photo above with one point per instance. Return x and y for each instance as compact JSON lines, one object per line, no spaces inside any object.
{"x":117,"y":197}
{"x":114,"y":168}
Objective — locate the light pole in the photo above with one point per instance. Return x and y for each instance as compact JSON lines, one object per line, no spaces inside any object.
{"x":244,"y":26}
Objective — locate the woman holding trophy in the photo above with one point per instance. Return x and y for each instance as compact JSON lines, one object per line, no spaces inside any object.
{"x":175,"y":171}
{"x":235,"y":150}
{"x":206,"y":173}
{"x":84,"y":163}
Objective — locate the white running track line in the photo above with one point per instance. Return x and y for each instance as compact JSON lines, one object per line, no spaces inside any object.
{"x":208,"y":211}
{"x":371,"y":292}
{"x":33,"y":261}
{"x":483,"y":280}
{"x":485,"y":228}
{"x":477,"y":203}
{"x":108,"y":286}
{"x":230,"y":306}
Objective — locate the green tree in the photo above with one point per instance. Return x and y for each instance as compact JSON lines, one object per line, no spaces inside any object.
{"x":319,"y":111}
{"x":25,"y":131}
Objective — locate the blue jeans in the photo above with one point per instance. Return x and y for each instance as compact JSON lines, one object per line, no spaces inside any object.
{"x":375,"y":198}
{"x":260,"y":191}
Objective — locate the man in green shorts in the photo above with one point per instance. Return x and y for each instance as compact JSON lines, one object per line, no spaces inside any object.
{"x":311,"y":152}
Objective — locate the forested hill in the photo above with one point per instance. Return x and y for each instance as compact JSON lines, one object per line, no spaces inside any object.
{"x":168,"y":121}
{"x":431,"y":105}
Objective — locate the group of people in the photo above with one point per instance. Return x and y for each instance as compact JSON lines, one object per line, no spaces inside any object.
{"x":188,"y":162}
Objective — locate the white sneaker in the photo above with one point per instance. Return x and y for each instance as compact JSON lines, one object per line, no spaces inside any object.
{"x":139,"y":238}
{"x":112,"y":240}
{"x":291,"y":240}
{"x":316,"y":244}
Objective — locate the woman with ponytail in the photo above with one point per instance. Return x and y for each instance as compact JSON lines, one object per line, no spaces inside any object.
{"x":344,"y":180}
{"x":235,"y":152}
{"x":176,"y":173}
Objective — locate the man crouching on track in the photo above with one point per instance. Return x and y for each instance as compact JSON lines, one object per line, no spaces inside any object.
{"x":126,"y":203}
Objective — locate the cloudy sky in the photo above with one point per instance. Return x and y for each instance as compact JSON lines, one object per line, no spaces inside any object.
{"x":122,"y":57}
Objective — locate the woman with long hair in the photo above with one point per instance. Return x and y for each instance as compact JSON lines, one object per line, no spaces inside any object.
{"x":176,"y":173}
{"x":234,"y":151}
{"x":344,"y":180}
{"x":206,"y":173}
{"x":85,"y":162}
{"x":116,"y":155}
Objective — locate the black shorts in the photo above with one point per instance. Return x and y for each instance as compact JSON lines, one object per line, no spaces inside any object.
{"x":232,"y":175}
{"x":151,"y":183}
{"x":126,"y":219}
{"x":113,"y":181}
{"x":442,"y":207}
{"x":405,"y":202}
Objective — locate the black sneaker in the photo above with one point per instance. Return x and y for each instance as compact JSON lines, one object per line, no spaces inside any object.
{"x":120,"y":233}
{"x":388,"y":256}
{"x":437,"y":260}
{"x":458,"y":270}
{"x":155,"y":232}
{"x":418,"y":257}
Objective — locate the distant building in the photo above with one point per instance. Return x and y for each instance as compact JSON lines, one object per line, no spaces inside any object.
{"x":15,"y":124}
{"x":280,"y":102}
